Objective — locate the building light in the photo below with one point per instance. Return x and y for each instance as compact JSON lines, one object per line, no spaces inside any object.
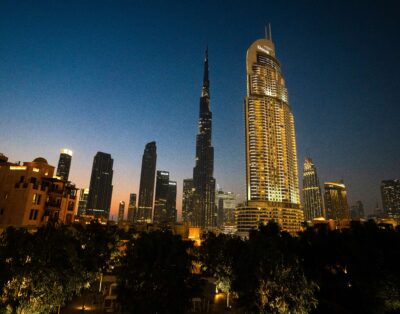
{"x":17,"y":167}
{"x":35,"y":169}
{"x":66,"y":151}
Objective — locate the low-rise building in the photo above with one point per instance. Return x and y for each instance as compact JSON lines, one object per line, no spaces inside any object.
{"x":30,"y":196}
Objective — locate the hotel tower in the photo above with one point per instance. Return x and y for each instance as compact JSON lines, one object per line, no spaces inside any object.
{"x":271,"y":158}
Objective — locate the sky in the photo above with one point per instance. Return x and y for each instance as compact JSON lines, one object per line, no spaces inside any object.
{"x":113,"y":75}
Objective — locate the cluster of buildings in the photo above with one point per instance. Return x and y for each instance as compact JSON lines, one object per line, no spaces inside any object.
{"x":32,"y":193}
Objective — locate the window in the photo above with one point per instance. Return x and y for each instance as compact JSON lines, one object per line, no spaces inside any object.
{"x":36,"y":199}
{"x":31,"y":214}
{"x":1,"y":211}
{"x":36,"y":214}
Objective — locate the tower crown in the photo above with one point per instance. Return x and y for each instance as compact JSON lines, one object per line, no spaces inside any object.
{"x":205,"y":90}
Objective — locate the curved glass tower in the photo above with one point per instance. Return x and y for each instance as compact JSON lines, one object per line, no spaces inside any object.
{"x":271,"y":158}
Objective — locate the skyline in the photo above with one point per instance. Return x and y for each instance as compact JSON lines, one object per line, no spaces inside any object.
{"x":98,"y":80}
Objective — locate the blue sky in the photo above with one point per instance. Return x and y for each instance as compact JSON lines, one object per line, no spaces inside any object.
{"x":113,"y":75}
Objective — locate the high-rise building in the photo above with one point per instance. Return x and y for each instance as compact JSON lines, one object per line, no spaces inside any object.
{"x":336,"y":205}
{"x":312,"y":195}
{"x":187,"y":200}
{"x":121,"y":211}
{"x":226,"y":208}
{"x":390,"y":191}
{"x":146,"y":188}
{"x":357,"y":210}
{"x":160,"y":200}
{"x":171,"y":202}
{"x":100,"y":189}
{"x":64,"y":164}
{"x":204,"y":214}
{"x":132,"y":208}
{"x":165,"y":199}
{"x":272,"y":186}
{"x":83,"y":197}
{"x":31,"y":196}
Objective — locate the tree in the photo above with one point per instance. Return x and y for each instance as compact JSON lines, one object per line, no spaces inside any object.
{"x":155,"y":274}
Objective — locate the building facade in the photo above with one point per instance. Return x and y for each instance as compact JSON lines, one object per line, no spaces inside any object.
{"x":271,"y":159}
{"x":132,"y":209}
{"x":100,"y":189}
{"x":30,"y":196}
{"x":64,"y":164}
{"x":187,"y":200}
{"x":83,"y":198}
{"x":390,"y":192}
{"x":226,"y":208}
{"x":312,"y":195}
{"x":146,"y":188}
{"x":121,"y":211}
{"x":336,"y":205}
{"x":204,"y":214}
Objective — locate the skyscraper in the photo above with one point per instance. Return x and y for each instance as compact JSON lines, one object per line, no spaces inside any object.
{"x":160,"y":200}
{"x":311,"y":192}
{"x":100,"y":189}
{"x":83,"y":198}
{"x":121,"y":211}
{"x":336,"y":205}
{"x":146,"y":188}
{"x":271,"y":157}
{"x":357,"y":210}
{"x":64,"y":163}
{"x":132,"y":208}
{"x":171,"y":202}
{"x":390,"y":191}
{"x":203,"y":214}
{"x":187,"y":200}
{"x":165,"y":199}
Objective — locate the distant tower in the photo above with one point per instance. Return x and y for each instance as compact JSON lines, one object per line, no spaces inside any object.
{"x":357,"y":210}
{"x":271,"y":157}
{"x":146,"y":189}
{"x":121,"y":211}
{"x":226,"y":208}
{"x":83,"y":198}
{"x":187,"y":200}
{"x":160,"y":201}
{"x":64,"y":163}
{"x":311,"y":192}
{"x":100,"y":189}
{"x":171,"y":202}
{"x":336,"y":204}
{"x":390,"y":191}
{"x":132,"y":210}
{"x":203,"y":214}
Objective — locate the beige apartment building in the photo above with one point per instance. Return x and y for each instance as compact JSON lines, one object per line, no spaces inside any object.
{"x":30,"y":196}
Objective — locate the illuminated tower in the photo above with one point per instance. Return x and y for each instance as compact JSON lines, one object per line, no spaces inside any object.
{"x":121,"y":211}
{"x":271,"y":158}
{"x":390,"y":191}
{"x":146,"y":188}
{"x":203,"y":181}
{"x":311,"y":192}
{"x":64,"y":163}
{"x":160,"y":200}
{"x":336,"y":201}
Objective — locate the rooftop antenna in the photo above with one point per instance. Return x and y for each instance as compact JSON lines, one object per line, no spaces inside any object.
{"x":266,"y":32}
{"x":269,"y":32}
